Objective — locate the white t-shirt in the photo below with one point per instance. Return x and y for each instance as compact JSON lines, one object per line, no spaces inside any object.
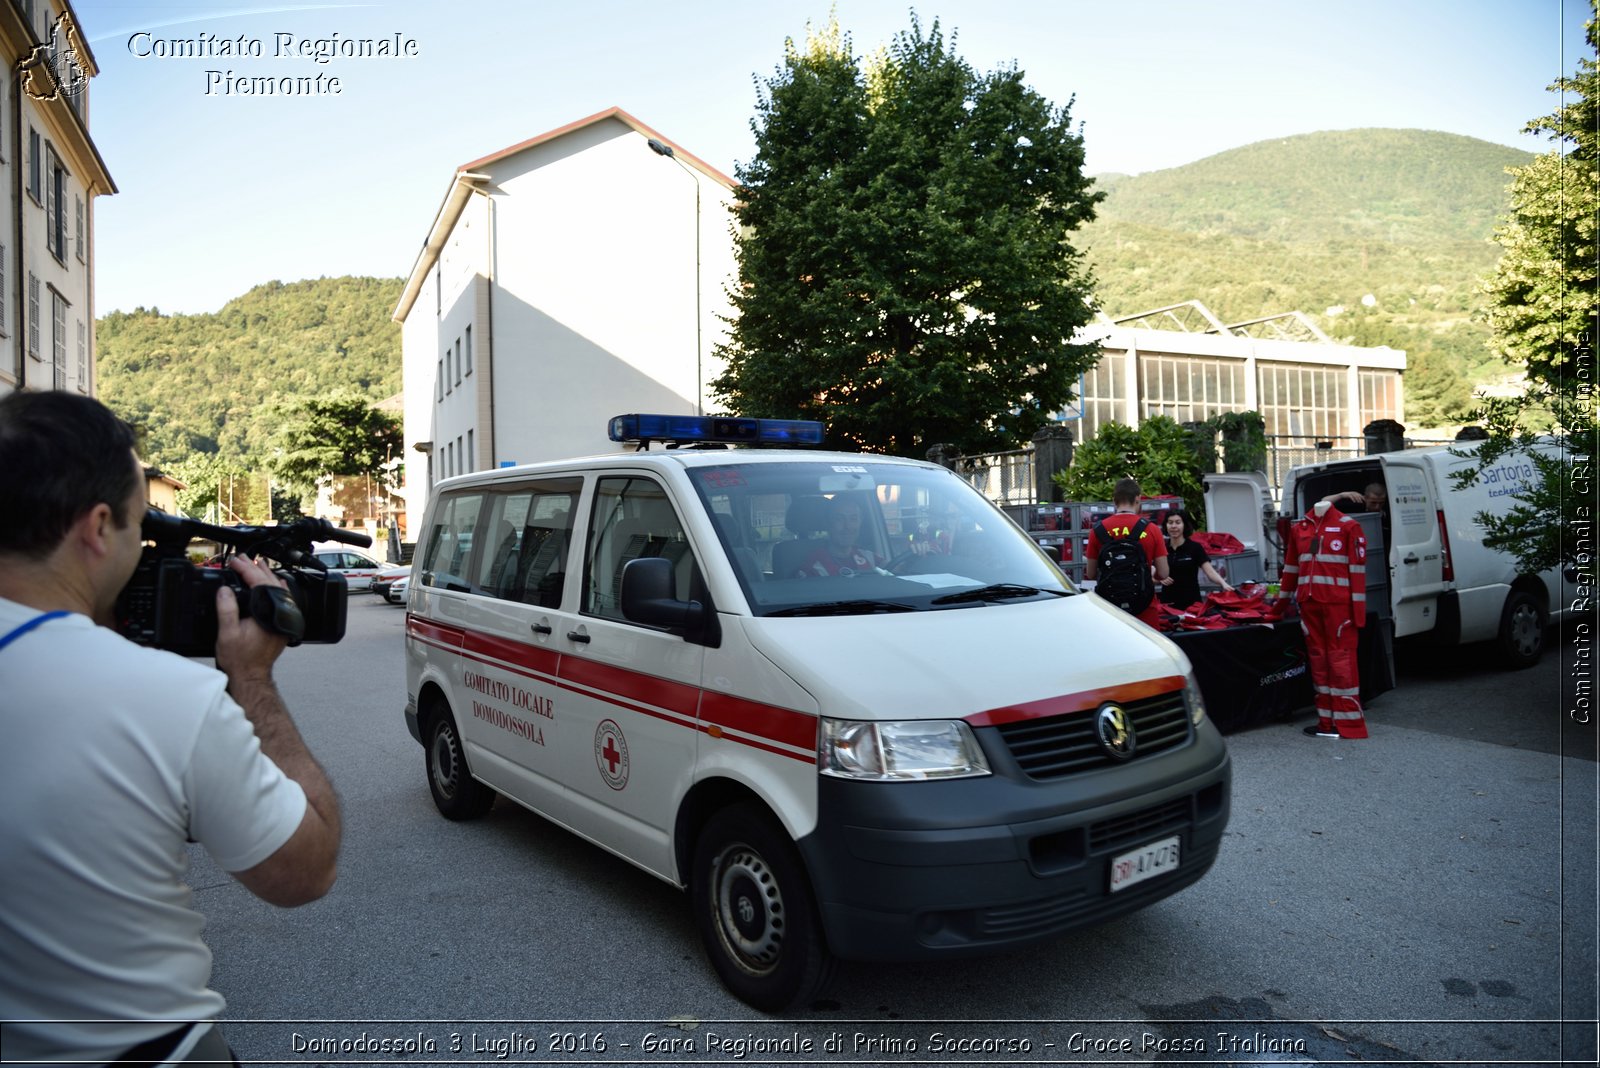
{"x":114,"y":756}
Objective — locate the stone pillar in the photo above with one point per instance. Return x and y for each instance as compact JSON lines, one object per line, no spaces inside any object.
{"x":1384,"y":435}
{"x":944,"y":455}
{"x":1472,"y":433}
{"x":1052,"y":453}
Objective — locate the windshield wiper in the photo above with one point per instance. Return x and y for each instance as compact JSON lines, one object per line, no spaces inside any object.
{"x":998,"y":592}
{"x":844,"y":608}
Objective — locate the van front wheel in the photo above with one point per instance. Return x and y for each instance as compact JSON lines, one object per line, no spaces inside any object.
{"x":1522,"y":625}
{"x":753,"y":906}
{"x":456,"y":794}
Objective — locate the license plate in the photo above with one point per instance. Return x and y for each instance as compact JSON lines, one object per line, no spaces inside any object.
{"x":1146,"y":862}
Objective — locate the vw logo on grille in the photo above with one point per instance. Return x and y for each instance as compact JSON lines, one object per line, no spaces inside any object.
{"x":1114,"y":728}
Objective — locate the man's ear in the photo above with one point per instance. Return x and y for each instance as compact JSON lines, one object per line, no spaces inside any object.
{"x":93,"y":529}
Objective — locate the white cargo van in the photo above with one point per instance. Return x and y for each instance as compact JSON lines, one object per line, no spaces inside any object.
{"x":929,"y":747}
{"x":1444,"y":582}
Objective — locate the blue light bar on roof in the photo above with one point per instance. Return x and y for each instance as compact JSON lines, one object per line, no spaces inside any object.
{"x":686,"y":429}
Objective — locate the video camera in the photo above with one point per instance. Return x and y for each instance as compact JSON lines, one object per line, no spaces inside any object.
{"x":169,"y":603}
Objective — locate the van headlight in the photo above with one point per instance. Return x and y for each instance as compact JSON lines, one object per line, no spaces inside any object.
{"x":1197,"y":704}
{"x":899,"y":750}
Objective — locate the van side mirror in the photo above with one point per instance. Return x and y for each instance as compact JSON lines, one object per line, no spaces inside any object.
{"x":647,"y":596}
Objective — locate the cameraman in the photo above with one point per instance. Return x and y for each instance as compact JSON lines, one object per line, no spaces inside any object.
{"x":116,"y":755}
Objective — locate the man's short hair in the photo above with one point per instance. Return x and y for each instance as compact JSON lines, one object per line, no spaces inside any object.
{"x":60,"y":455}
{"x":1126,"y":492}
{"x":1376,"y":489}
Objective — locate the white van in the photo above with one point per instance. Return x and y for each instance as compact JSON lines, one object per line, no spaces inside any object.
{"x":931,"y":746}
{"x":1444,"y":582}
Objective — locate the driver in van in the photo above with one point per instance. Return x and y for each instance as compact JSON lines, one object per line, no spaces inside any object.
{"x":839,"y":554}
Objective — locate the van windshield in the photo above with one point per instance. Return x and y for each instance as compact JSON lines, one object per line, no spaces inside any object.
{"x":832,"y":538}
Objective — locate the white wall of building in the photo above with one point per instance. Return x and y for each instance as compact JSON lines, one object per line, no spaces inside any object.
{"x":572,"y":261}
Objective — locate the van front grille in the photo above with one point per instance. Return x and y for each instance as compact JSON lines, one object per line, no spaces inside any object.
{"x":1059,"y":746}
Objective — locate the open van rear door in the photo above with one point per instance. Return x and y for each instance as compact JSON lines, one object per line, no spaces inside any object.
{"x":1240,"y":503}
{"x":1418,"y":571}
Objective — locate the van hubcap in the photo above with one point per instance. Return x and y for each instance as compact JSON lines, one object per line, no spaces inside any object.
{"x":1525,"y":630}
{"x":445,"y":761}
{"x":749,"y":908}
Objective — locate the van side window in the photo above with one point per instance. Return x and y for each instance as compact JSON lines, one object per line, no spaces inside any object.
{"x":525,"y":559}
{"x":449,"y":544}
{"x":632,"y":518}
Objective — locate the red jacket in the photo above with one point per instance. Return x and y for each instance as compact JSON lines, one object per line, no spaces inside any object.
{"x":1326,"y":560}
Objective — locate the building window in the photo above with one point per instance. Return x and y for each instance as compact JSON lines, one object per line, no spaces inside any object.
{"x":35,"y":166}
{"x":83,"y":357}
{"x":472,"y":456}
{"x":1105,"y":394}
{"x":1189,"y":389}
{"x":58,"y":338}
{"x":458,"y":361}
{"x":33,"y":315}
{"x":469,"y":349}
{"x":461,"y":456}
{"x":55,"y":206}
{"x":78,"y":226}
{"x":1302,"y":400}
{"x":438,"y":382}
{"x":444,"y":364}
{"x":1380,"y":395}
{"x":3,"y":291}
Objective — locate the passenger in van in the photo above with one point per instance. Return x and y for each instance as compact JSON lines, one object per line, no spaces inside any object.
{"x":840,"y":554}
{"x":1375,"y":498}
{"x":936,"y":535}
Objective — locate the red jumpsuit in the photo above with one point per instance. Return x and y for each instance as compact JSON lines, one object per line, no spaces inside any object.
{"x":1325,"y":571}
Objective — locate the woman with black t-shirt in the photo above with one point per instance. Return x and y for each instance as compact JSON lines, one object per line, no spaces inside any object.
{"x":1186,"y":559}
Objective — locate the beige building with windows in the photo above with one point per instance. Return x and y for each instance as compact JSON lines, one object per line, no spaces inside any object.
{"x":1183,"y":362}
{"x":52,"y":173}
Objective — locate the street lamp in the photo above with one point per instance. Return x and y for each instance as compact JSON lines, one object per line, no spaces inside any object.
{"x":662,"y":149}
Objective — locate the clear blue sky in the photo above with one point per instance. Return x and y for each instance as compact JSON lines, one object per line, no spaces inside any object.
{"x":218,"y":193}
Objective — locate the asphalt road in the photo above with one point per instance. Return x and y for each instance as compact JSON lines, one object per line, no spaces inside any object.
{"x":1426,"y":895}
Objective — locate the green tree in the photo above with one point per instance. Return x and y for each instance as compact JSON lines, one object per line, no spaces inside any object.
{"x":338,"y":435}
{"x":906,"y":274}
{"x":1160,"y":455}
{"x":1543,"y":308}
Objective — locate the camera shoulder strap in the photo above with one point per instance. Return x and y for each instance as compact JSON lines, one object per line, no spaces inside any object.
{"x":23,"y":628}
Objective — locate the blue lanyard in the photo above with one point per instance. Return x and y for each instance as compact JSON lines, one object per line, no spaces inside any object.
{"x":21,"y":629}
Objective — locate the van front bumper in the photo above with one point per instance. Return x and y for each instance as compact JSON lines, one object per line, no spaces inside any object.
{"x":908,"y":871}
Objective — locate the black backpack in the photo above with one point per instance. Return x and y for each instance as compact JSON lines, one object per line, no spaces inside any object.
{"x":1123,"y":575}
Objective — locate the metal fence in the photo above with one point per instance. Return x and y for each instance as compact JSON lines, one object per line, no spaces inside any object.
{"x":1003,"y":477}
{"x":1008,"y":477}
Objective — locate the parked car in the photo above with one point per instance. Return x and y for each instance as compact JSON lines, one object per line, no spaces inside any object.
{"x":358,"y":570}
{"x":398,"y":589}
{"x":386,"y":577}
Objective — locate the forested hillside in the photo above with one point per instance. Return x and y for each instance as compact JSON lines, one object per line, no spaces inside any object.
{"x":206,"y":383}
{"x":1380,"y":235}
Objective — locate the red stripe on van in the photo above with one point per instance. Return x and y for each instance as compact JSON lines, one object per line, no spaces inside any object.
{"x":768,"y":721}
{"x":1082,"y":701}
{"x":647,"y":695}
{"x":532,"y":657}
{"x":614,"y":681}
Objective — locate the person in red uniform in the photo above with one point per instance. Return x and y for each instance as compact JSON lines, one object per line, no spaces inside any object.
{"x":840,"y":555}
{"x":1125,"y":496}
{"x":1325,"y":573}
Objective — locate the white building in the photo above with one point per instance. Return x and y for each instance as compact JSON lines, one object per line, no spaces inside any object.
{"x":576,"y":276}
{"x":1183,"y":362}
{"x":51,"y":172}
